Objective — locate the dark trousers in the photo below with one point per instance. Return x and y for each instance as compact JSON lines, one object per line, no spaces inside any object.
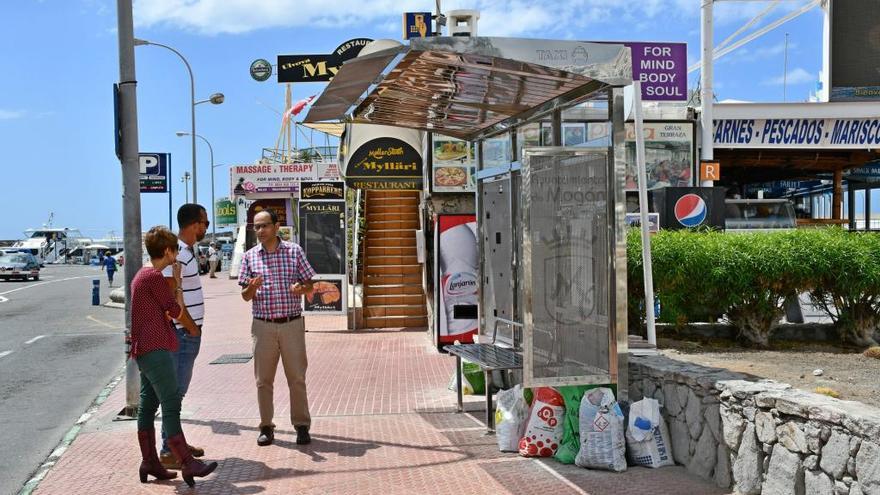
{"x":159,"y":388}
{"x":110,"y":275}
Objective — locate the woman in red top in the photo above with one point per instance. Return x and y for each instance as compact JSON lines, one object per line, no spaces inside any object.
{"x":152,"y":339}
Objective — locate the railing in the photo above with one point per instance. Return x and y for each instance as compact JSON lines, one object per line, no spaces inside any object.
{"x":355,"y":252}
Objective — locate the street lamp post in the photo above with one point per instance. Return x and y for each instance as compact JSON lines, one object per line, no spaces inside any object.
{"x":185,"y":180}
{"x":213,"y":205}
{"x":215,"y":99}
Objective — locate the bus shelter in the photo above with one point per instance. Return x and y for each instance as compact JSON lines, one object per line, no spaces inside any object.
{"x":550,"y":218}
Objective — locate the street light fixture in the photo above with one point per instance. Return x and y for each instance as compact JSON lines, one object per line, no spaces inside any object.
{"x":185,"y":180}
{"x":211,"y":149}
{"x":216,"y":99}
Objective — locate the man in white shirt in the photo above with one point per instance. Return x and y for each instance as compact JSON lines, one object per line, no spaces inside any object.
{"x":213,"y":259}
{"x":192,"y":221}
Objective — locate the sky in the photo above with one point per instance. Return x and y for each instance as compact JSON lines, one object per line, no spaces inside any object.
{"x":60,"y":59}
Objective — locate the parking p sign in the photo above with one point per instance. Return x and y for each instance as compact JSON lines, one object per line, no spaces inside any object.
{"x":154,"y":172}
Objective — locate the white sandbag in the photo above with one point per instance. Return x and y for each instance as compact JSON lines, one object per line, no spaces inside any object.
{"x":546,"y":422}
{"x":647,"y":437}
{"x":510,"y":417}
{"x":602,"y":432}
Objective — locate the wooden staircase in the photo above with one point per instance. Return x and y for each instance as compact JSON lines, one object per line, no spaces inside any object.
{"x":393,"y":293}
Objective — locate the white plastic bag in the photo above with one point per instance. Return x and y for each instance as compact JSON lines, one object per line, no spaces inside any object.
{"x":601,"y":428}
{"x":546,"y":422}
{"x":510,"y":416}
{"x":647,"y":437}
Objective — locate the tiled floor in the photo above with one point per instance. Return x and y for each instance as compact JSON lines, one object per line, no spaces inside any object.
{"x":382,"y":423}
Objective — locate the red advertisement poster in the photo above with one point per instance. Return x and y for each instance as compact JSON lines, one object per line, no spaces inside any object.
{"x":457,"y":278}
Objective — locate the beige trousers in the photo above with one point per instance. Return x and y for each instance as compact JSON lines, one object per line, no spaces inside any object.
{"x":287,"y":341}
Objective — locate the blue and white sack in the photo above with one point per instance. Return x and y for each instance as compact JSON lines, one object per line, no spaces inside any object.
{"x":647,"y":437}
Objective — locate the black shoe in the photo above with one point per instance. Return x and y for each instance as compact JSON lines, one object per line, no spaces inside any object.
{"x":302,"y":435}
{"x":267,"y":436}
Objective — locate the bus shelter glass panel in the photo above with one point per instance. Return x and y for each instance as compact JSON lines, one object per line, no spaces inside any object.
{"x":568,"y":335}
{"x":500,"y":249}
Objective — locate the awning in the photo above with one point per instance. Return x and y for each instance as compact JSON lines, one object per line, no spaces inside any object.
{"x":331,"y":128}
{"x":466,"y":87}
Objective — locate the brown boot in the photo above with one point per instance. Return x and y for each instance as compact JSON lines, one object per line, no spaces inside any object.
{"x":191,"y":467}
{"x":150,"y":464}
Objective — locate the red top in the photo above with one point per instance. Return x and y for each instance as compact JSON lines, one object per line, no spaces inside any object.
{"x":150,"y":299}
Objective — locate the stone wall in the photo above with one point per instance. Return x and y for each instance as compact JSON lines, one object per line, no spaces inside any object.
{"x":760,"y":436}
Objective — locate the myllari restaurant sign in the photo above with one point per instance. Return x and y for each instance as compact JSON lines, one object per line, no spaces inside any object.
{"x":385,"y":160}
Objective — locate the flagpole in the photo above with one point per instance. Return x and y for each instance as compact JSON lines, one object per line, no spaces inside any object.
{"x":287,"y":122}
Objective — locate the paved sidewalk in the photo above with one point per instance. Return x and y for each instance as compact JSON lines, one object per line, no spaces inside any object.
{"x":382,"y":423}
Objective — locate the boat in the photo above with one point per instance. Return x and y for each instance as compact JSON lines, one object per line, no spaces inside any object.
{"x":52,"y":244}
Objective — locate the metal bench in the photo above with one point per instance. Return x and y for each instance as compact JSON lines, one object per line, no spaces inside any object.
{"x":489,"y":357}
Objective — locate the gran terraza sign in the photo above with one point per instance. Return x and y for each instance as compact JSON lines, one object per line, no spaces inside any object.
{"x":797,"y":133}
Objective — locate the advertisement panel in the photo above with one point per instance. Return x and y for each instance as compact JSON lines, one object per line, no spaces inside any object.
{"x":225,"y":212}
{"x":318,"y":68}
{"x":855,"y":50}
{"x":270,"y":178}
{"x":322,"y":235}
{"x":154,"y":172}
{"x":669,"y":154}
{"x":798,"y":133}
{"x":454,"y":163}
{"x":456,"y":283}
{"x":662,"y":69}
{"x":279,"y":206}
{"x":327,"y":297}
{"x":417,"y":25}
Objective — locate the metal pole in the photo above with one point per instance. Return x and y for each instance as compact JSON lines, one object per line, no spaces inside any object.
{"x":131,"y":198}
{"x":706,"y":93}
{"x":168,"y":179}
{"x":647,"y":271}
{"x":785,"y":69}
{"x":213,"y":204}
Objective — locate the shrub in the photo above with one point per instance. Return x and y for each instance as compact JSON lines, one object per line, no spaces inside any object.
{"x":747,"y":277}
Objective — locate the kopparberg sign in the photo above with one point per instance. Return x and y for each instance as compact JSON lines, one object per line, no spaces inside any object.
{"x":798,"y":133}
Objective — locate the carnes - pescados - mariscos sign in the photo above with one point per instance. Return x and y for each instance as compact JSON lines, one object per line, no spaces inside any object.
{"x":797,"y":133}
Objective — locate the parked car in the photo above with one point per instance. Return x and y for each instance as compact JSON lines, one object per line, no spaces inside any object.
{"x":19,"y":265}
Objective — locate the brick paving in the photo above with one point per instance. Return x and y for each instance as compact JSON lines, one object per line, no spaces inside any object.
{"x":383,"y":423}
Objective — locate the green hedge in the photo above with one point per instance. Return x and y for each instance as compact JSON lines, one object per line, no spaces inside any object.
{"x":746,"y":278}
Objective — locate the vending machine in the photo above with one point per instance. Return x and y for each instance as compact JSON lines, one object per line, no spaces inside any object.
{"x":456,"y":279}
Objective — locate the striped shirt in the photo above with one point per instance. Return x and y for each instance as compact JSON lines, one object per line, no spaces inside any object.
{"x":190,"y":282}
{"x":281,"y":269}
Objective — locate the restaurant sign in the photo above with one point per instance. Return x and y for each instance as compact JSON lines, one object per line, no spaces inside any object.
{"x":318,"y":68}
{"x":385,"y":163}
{"x":798,"y":133}
{"x":322,"y":190}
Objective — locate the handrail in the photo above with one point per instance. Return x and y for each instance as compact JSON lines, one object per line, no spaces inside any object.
{"x":355,"y":251}
{"x":506,"y":322}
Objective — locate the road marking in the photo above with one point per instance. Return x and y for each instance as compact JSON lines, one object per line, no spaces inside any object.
{"x":38,"y":337}
{"x":104,"y":323}
{"x":5,"y":353}
{"x":3,"y":299}
{"x":43,"y":283}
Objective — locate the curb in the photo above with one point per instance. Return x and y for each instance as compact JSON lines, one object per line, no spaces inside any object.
{"x":70,"y":436}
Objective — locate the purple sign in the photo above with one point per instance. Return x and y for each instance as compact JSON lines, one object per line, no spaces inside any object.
{"x":662,"y":69}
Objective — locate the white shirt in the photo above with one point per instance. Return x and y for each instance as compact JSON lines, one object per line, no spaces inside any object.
{"x":212,"y":254}
{"x":190,"y":282}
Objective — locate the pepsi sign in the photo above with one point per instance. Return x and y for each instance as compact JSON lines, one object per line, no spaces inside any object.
{"x":690,"y":210}
{"x":690,"y":207}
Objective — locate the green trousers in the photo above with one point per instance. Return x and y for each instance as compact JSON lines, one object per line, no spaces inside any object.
{"x":159,"y":387}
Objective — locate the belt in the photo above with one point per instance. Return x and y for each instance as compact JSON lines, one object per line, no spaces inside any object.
{"x":283,"y":319}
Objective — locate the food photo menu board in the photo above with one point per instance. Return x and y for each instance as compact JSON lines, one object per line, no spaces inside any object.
{"x":454,"y":163}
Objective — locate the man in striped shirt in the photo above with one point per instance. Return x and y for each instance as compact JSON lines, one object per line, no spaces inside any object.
{"x":192,"y":221}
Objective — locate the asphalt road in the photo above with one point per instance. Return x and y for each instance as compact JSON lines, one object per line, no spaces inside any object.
{"x":57,"y":352}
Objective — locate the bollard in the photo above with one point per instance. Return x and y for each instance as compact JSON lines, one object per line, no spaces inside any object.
{"x":96,"y":292}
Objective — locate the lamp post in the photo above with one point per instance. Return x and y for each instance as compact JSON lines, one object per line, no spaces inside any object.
{"x":211,"y":150}
{"x":216,"y":99}
{"x":185,"y":180}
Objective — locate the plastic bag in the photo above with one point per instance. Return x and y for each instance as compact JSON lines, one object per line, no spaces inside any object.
{"x":647,"y":437}
{"x":510,"y":416}
{"x":544,"y":429}
{"x":571,"y":438}
{"x":473,"y":380}
{"x":602,"y":437}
